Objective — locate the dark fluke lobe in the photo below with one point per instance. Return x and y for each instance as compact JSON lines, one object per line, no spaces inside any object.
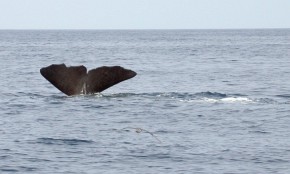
{"x":75,"y":80}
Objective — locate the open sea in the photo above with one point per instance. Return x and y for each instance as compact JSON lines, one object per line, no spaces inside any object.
{"x":203,"y":102}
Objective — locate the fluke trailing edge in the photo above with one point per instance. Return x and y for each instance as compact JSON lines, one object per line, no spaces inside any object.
{"x":75,"y":80}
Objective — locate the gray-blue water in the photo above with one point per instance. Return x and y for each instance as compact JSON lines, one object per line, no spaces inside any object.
{"x":218,"y":100}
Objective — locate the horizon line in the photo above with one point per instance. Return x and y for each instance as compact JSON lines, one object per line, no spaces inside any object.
{"x":266,"y":28}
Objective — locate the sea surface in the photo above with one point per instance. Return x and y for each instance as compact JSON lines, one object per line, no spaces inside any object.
{"x":203,"y":102}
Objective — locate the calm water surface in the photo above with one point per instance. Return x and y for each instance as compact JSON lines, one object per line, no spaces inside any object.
{"x":206,"y":101}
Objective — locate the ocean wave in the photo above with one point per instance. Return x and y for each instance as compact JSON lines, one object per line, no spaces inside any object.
{"x":53,"y":141}
{"x":207,"y":96}
{"x":14,"y":169}
{"x":229,"y":100}
{"x":211,"y":97}
{"x":283,"y":96}
{"x":174,"y":95}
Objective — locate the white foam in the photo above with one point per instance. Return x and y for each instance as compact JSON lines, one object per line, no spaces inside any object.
{"x":243,"y":100}
{"x":236,"y":99}
{"x":229,"y":100}
{"x":210,"y":100}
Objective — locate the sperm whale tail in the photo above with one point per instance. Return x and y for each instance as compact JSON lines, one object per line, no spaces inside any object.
{"x":76,"y":80}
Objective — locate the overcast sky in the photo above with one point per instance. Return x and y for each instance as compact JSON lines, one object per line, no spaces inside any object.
{"x":144,"y":14}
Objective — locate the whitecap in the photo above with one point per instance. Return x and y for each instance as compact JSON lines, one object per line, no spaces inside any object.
{"x":228,"y":100}
{"x":236,"y":100}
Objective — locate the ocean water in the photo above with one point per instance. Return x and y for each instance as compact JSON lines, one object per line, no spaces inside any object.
{"x":204,"y":101}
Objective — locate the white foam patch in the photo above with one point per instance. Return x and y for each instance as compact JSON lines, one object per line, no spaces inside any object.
{"x":210,"y":100}
{"x":243,"y":100}
{"x":237,"y":100}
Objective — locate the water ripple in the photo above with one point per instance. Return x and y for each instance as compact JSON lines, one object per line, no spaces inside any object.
{"x":53,"y":141}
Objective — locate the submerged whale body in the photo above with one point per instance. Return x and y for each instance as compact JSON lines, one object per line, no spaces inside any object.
{"x":76,"y":80}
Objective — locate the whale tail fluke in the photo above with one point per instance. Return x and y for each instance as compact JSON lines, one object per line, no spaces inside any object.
{"x":104,"y":77}
{"x":75,"y":80}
